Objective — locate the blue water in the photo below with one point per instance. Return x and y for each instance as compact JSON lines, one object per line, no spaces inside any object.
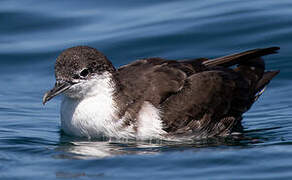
{"x":33,"y":33}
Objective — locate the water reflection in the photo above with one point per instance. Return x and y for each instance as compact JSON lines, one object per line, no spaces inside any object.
{"x":78,"y":148}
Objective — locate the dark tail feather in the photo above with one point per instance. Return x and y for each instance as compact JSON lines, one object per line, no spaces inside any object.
{"x":251,"y":66}
{"x":239,"y":58}
{"x":267,"y":77}
{"x":263,"y":82}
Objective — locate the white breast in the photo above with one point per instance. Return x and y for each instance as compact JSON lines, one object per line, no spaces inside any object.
{"x":93,"y":114}
{"x":149,"y":122}
{"x":90,"y":117}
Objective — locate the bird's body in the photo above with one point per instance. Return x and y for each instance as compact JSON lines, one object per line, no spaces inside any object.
{"x":157,"y":98}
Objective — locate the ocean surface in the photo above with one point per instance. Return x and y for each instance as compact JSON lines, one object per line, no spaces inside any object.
{"x":33,"y":33}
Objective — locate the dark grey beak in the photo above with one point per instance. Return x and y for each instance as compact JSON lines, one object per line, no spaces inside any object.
{"x":60,"y":87}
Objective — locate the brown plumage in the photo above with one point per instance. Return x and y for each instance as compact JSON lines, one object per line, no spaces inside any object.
{"x":200,"y":97}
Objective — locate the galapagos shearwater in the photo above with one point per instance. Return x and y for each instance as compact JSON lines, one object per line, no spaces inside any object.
{"x":157,"y":98}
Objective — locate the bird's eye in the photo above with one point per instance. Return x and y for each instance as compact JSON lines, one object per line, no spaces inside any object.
{"x":84,"y":72}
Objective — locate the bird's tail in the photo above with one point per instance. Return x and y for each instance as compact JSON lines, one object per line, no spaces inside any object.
{"x":263,"y":82}
{"x":251,"y":66}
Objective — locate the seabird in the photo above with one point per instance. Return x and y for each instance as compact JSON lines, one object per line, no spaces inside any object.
{"x":157,"y":98}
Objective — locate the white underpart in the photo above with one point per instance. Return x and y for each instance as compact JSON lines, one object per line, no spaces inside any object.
{"x":88,"y":110}
{"x":149,"y":122}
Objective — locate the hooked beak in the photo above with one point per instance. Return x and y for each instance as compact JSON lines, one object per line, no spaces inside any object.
{"x":60,"y":87}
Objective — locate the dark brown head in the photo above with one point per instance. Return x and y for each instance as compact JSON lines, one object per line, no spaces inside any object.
{"x":75,"y":67}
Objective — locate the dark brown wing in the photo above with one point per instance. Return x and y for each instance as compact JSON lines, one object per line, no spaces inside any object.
{"x":202,"y":97}
{"x":239,"y":58}
{"x":154,"y":79}
{"x":206,"y":99}
{"x":212,"y":102}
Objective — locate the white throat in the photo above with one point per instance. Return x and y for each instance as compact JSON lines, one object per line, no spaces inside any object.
{"x":92,"y":111}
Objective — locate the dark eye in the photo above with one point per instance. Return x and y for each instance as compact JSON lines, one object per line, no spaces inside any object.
{"x":84,"y":72}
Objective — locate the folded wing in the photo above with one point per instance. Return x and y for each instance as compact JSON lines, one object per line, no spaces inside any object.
{"x":201,"y":97}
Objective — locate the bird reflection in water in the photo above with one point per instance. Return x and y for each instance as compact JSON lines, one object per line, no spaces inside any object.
{"x":79,"y":148}
{"x":82,"y":148}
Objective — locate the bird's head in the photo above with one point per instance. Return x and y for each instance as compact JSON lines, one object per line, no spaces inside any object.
{"x":76,"y":69}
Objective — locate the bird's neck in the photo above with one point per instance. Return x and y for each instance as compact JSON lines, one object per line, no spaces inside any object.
{"x":93,"y":114}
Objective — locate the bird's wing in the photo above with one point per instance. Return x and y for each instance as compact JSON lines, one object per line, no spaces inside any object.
{"x":212,"y":101}
{"x":154,"y":79}
{"x":240,"y":58}
{"x":206,"y":100}
{"x":200,"y":96}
